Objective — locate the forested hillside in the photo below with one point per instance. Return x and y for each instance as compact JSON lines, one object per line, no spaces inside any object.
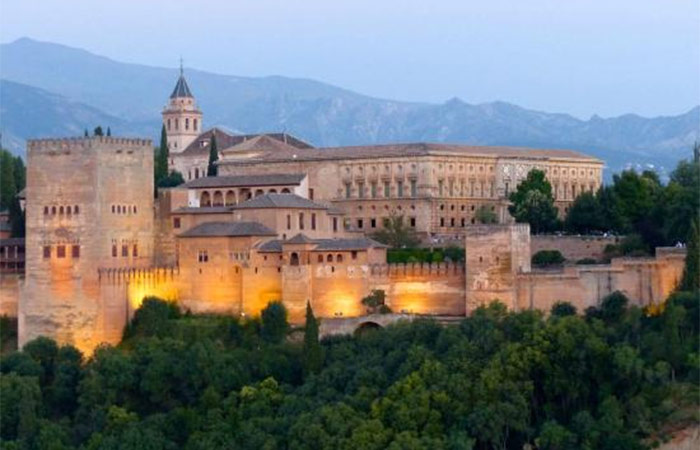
{"x":613,"y":378}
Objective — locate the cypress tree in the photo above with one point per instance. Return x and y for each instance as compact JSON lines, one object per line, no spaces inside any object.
{"x":691,"y":273}
{"x":161,"y":166}
{"x":86,"y":133}
{"x":212,"y":169}
{"x":98,"y":131}
{"x":313,"y":355}
{"x":109,"y":131}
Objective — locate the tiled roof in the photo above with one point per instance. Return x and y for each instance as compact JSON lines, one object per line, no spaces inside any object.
{"x":322,"y":245}
{"x":407,"y":150}
{"x":228,"y":229}
{"x":12,"y":242}
{"x":347,"y":244}
{"x":275,"y":245}
{"x":226,"y":140}
{"x":299,"y":239}
{"x":279,"y":201}
{"x":275,"y":179}
{"x":204,"y":210}
{"x":181,"y":89}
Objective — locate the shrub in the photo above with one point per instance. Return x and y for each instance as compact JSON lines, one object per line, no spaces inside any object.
{"x":548,"y":258}
{"x":563,"y":309}
{"x":153,"y":318}
{"x":274,"y":322}
{"x":585,"y":261}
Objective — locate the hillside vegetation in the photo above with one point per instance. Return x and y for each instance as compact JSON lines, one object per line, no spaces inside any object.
{"x":613,"y":378}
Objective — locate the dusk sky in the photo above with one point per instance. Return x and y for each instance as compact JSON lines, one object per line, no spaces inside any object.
{"x":581,"y":57}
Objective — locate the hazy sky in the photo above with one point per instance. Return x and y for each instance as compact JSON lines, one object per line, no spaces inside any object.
{"x":578,"y":56}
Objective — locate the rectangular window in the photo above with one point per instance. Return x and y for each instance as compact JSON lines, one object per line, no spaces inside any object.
{"x":289,"y":222}
{"x":313,"y":221}
{"x":353,"y":254}
{"x":348,"y":190}
{"x":125,"y":250}
{"x":414,"y":188}
{"x":203,"y":256}
{"x":373,"y":189}
{"x":335,"y":224}
{"x":360,"y":223}
{"x":373,"y":223}
{"x":311,"y":194}
{"x":61,"y":251}
{"x":135,"y":251}
{"x":301,"y":221}
{"x":399,"y":188}
{"x":452,"y":188}
{"x":114,"y":251}
{"x":412,"y":221}
{"x":387,"y":189}
{"x":47,"y":251}
{"x":176,"y":222}
{"x":442,"y":221}
{"x":75,"y":251}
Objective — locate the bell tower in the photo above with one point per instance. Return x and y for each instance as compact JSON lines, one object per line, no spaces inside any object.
{"x":181,"y":117}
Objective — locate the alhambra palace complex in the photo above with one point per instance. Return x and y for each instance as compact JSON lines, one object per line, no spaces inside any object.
{"x":286,"y":221}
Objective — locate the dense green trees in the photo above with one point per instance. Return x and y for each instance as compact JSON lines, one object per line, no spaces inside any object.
{"x":12,"y":180}
{"x":606,"y":380}
{"x":640,"y":205}
{"x":533,"y":203}
{"x":212,"y":168}
{"x":162,"y":177}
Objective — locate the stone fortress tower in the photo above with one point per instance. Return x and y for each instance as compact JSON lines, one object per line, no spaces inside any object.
{"x":90,"y":207}
{"x":182,"y":118}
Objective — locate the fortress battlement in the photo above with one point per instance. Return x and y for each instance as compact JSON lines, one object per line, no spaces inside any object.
{"x":419,"y":269}
{"x":128,"y":274}
{"x":84,"y":142}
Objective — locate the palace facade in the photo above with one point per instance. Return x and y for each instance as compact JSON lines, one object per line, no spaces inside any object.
{"x":286,"y":221}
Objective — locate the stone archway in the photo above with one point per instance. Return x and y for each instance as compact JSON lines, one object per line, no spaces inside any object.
{"x":366,"y":327}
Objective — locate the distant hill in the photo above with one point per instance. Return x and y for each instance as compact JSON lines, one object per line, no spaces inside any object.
{"x":132,"y":96}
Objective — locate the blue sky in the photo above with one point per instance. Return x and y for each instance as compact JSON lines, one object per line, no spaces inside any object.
{"x":581,"y":57}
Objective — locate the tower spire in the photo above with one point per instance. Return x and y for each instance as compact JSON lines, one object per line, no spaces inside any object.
{"x":181,"y":70}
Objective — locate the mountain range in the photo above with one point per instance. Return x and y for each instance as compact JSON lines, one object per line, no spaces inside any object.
{"x":48,"y":89}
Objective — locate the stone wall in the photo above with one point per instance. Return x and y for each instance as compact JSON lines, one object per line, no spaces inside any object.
{"x":573,"y":248}
{"x":643,"y":280}
{"x":9,"y":293}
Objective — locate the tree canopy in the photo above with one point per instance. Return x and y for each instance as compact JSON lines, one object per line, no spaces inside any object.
{"x":616,"y":378}
{"x":533,"y":203}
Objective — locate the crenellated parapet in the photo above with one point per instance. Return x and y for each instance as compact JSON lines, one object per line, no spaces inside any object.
{"x":55,"y":144}
{"x":125,"y":275}
{"x":418,"y":269}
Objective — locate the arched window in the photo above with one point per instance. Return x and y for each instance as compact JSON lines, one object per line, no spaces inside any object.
{"x":285,"y":191}
{"x":46,"y":210}
{"x":53,"y":210}
{"x":230,"y":198}
{"x":339,"y":258}
{"x":114,"y":209}
{"x":205,"y":200}
{"x":194,"y":124}
{"x":259,"y":192}
{"x":196,"y":172}
{"x":218,"y":198}
{"x":68,"y":210}
{"x":294,"y":259}
{"x":60,"y":210}
{"x":76,"y":210}
{"x":187,"y":123}
{"x":272,"y":191}
{"x":134,"y":209}
{"x":320,"y":258}
{"x":329,"y":258}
